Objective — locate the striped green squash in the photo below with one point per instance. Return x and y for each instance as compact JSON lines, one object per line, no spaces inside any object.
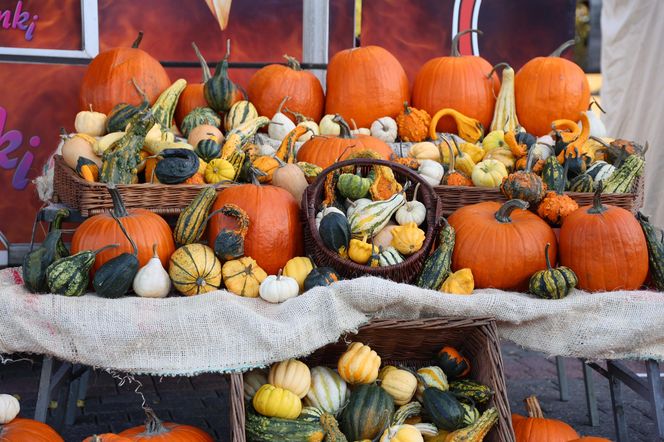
{"x":353,"y":186}
{"x":655,"y":241}
{"x":479,"y":393}
{"x":272,"y":429}
{"x":552,"y":283}
{"x":582,"y":183}
{"x":70,"y":276}
{"x":368,"y":411}
{"x":389,"y":257}
{"x":372,"y":217}
{"x":471,"y":414}
{"x":193,"y":219}
{"x":164,"y":108}
{"x":601,"y":170}
{"x":437,"y":266}
{"x":208,"y":149}
{"x":335,"y":233}
{"x":405,"y":412}
{"x":198,"y":117}
{"x":553,"y":173}
{"x":122,"y":113}
{"x":443,"y":408}
{"x":239,"y":113}
{"x":36,"y":262}
{"x":622,"y":180}
{"x":219,"y":90}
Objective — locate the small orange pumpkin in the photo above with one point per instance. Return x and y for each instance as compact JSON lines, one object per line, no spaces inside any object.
{"x":156,"y":430}
{"x":535,"y":428}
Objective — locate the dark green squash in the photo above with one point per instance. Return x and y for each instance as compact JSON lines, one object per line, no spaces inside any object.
{"x":122,"y":113}
{"x":655,"y":241}
{"x":56,"y":224}
{"x":220,"y":91}
{"x":192,"y":220}
{"x":552,"y":283}
{"x":453,"y":363}
{"x":582,"y":183}
{"x":70,"y":276}
{"x":525,"y":138}
{"x":176,"y":165}
{"x":334,"y":230}
{"x":198,"y":117}
{"x":229,"y":244}
{"x":208,"y":149}
{"x":36,"y":262}
{"x":476,"y":391}
{"x":437,"y":266}
{"x":368,"y":412}
{"x":553,"y":174}
{"x":120,"y":161}
{"x":115,"y":277}
{"x":272,"y":429}
{"x":443,"y":408}
{"x":353,"y":186}
{"x":320,"y":276}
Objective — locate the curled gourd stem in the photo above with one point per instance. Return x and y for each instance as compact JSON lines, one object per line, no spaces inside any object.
{"x":154,"y":251}
{"x":417,"y":187}
{"x":597,"y":207}
{"x":125,"y":233}
{"x":204,"y":65}
{"x":352,"y":120}
{"x":300,"y":118}
{"x":406,"y":109}
{"x":281,"y":105}
{"x":455,"y":41}
{"x":562,"y":48}
{"x":533,"y":407}
{"x":153,"y":424}
{"x":546,"y":256}
{"x":292,"y":63}
{"x":109,"y":246}
{"x":118,"y":205}
{"x":499,"y":65}
{"x":140,"y":91}
{"x":138,"y":40}
{"x":593,"y":101}
{"x":345,"y":129}
{"x":503,"y":214}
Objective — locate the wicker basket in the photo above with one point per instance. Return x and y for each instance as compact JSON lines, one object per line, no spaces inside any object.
{"x":456,"y":197}
{"x":393,"y":340}
{"x":92,"y":198}
{"x":402,"y":272}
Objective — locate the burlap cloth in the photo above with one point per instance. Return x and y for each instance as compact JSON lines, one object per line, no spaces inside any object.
{"x":221,"y":332}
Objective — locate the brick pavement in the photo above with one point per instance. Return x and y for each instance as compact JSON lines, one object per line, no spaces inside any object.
{"x":203,"y":400}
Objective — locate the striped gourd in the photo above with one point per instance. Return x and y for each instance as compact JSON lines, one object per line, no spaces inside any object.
{"x":582,"y":183}
{"x":479,"y":393}
{"x":471,"y":414}
{"x":504,"y":114}
{"x":164,"y":108}
{"x":239,"y":113}
{"x":208,"y":149}
{"x":372,"y":217}
{"x":437,"y":266}
{"x":120,"y":161}
{"x":311,"y":171}
{"x":311,"y":414}
{"x":193,"y":219}
{"x":219,"y":90}
{"x":195,"y":270}
{"x":122,"y":113}
{"x":553,"y":174}
{"x":552,"y":283}
{"x":70,"y":276}
{"x":328,"y":391}
{"x":622,"y":180}
{"x":601,"y":170}
{"x":405,"y":412}
{"x":273,"y":429}
{"x":434,"y":377}
{"x":389,"y":257}
{"x":241,"y":134}
{"x":237,"y":158}
{"x":655,"y":241}
{"x":198,"y":117}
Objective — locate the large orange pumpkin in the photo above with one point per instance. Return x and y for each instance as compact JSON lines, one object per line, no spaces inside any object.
{"x":144,"y":227}
{"x":502,"y":245}
{"x":275,"y":232}
{"x":269,"y":85}
{"x":457,"y":82}
{"x":548,"y":89}
{"x":325,"y":150}
{"x":28,"y":430}
{"x":155,"y":430}
{"x":605,"y":246}
{"x":536,"y":428}
{"x":365,"y":84}
{"x":192,"y":95}
{"x":107,"y":79}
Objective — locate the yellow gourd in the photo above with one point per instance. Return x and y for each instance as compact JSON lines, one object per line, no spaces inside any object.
{"x":407,"y":239}
{"x":273,"y":401}
{"x":468,"y":128}
{"x":460,"y":282}
{"x":243,"y":276}
{"x":219,"y":170}
{"x":359,"y":364}
{"x":298,"y":268}
{"x":504,"y":114}
{"x":475,"y":151}
{"x":463,"y":161}
{"x":400,"y":384}
{"x":402,"y":433}
{"x":360,"y":251}
{"x":478,"y":430}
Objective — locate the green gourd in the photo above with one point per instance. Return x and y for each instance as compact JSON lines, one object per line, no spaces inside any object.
{"x":176,"y":165}
{"x":56,"y":224}
{"x":471,"y":414}
{"x":476,"y":431}
{"x":320,"y":276}
{"x":220,"y":91}
{"x":192,"y":220}
{"x":208,"y":149}
{"x":120,"y":161}
{"x":36,"y":262}
{"x":353,"y":186}
{"x":70,"y":276}
{"x":122,"y":113}
{"x":552,"y":173}
{"x":239,"y":113}
{"x":474,"y":390}
{"x":622,"y":180}
{"x":115,"y":276}
{"x":437,"y":266}
{"x":334,"y":231}
{"x":272,"y":429}
{"x":582,"y":183}
{"x":444,"y":409}
{"x":198,"y":117}
{"x":368,"y":412}
{"x":373,"y":217}
{"x":552,"y":283}
{"x":655,"y":241}
{"x":389,"y":257}
{"x":164,"y":108}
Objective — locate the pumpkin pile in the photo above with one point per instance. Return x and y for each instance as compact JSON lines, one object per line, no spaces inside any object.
{"x":362,"y":401}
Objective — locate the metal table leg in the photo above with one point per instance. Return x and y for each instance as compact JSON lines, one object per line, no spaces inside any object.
{"x":656,"y":394}
{"x":563,"y":386}
{"x":617,"y":403}
{"x":44,"y":394}
{"x":591,"y":401}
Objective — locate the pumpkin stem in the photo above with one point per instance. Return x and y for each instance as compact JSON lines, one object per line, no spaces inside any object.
{"x":140,"y":91}
{"x":417,"y":187}
{"x":300,"y":118}
{"x":153,"y":424}
{"x":109,"y":246}
{"x":124,"y":232}
{"x":503,"y":214}
{"x":597,"y":207}
{"x":201,"y":60}
{"x":154,"y":251}
{"x":352,"y":120}
{"x":281,"y":105}
{"x":562,"y":48}
{"x":61,"y":214}
{"x":345,"y":129}
{"x":279,"y":273}
{"x":382,"y":124}
{"x":118,"y":205}
{"x":593,"y":101}
{"x":406,"y":109}
{"x":452,"y":160}
{"x":454,"y":52}
{"x":499,"y":65}
{"x":546,"y":256}
{"x":292,"y":63}
{"x":138,"y":40}
{"x":533,"y":407}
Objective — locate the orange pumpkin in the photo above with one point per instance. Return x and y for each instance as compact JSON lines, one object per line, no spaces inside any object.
{"x":502,"y":246}
{"x":28,"y":430}
{"x":536,"y":428}
{"x":605,"y":246}
{"x":107,"y":79}
{"x":457,"y":82}
{"x":413,"y":124}
{"x":324,"y":151}
{"x":365,"y":84}
{"x":156,"y":430}
{"x":269,"y":85}
{"x":548,"y":89}
{"x":144,"y":227}
{"x":192,"y":95}
{"x":108,"y":437}
{"x":275,"y":232}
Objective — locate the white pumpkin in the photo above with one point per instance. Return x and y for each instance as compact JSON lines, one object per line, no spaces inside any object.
{"x":360,"y":131}
{"x":325,"y":211}
{"x":411,"y":212}
{"x":385,"y":129}
{"x":253,"y":380}
{"x":541,"y":150}
{"x":152,"y":280}
{"x":328,"y":391}
{"x":597,"y":128}
{"x":9,"y":408}
{"x":432,"y":171}
{"x":91,"y":123}
{"x":313,"y":130}
{"x":278,"y":288}
{"x":328,"y":126}
{"x":280,"y":124}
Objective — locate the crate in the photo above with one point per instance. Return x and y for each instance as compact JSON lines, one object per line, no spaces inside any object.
{"x":393,"y":340}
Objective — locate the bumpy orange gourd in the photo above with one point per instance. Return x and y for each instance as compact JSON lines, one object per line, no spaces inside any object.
{"x":413,"y":124}
{"x":359,"y":364}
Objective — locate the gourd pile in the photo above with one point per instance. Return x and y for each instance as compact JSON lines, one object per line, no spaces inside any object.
{"x":362,"y":401}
